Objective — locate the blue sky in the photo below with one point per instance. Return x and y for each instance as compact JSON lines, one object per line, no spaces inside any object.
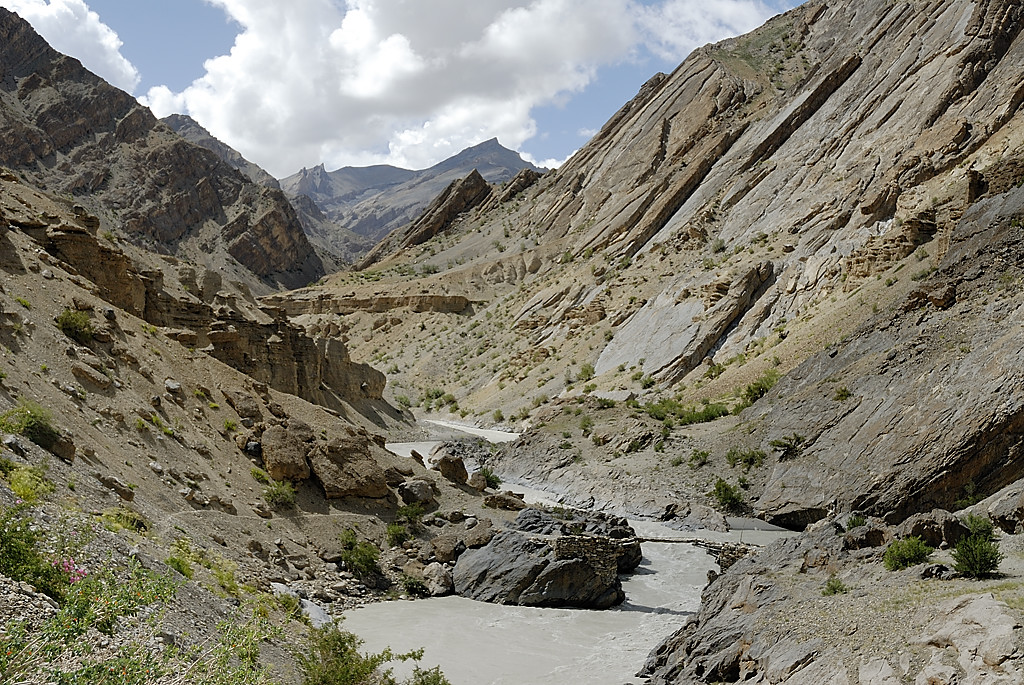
{"x":406,"y":82}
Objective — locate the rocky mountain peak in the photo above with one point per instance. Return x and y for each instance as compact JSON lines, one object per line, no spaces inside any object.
{"x":66,"y":129}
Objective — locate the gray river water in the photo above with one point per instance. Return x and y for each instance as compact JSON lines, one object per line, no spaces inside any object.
{"x":476,"y":643}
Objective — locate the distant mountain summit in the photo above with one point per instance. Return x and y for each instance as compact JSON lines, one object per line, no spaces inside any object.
{"x":373,"y":201}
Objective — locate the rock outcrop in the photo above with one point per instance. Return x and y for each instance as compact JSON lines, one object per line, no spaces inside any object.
{"x":537,"y":565}
{"x":458,"y":198}
{"x":766,"y":619}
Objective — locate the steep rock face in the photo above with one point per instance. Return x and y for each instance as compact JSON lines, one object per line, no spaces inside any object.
{"x":459,"y":197}
{"x":258,"y":343}
{"x":66,"y":130}
{"x":931,"y":411}
{"x":190,"y":129}
{"x":816,"y":130}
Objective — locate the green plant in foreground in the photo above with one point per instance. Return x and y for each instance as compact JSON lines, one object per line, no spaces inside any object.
{"x":414,"y":586}
{"x":834,"y":586}
{"x":33,"y":421}
{"x":20,"y":558}
{"x":976,"y":554}
{"x":697,"y":459}
{"x":360,"y":556}
{"x":901,"y":554}
{"x":280,"y":494}
{"x":259,"y":475}
{"x":332,"y":657}
{"x":76,"y":325}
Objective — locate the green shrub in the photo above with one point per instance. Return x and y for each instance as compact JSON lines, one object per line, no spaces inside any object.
{"x":605,"y":403}
{"x":411,"y":514}
{"x":901,"y":554}
{"x":498,"y":416}
{"x":259,"y":475}
{"x":789,"y":447}
{"x":834,"y":586}
{"x":230,"y":425}
{"x":182,"y":566}
{"x":586,"y":425}
{"x":29,"y":483}
{"x":491,"y":478}
{"x":855,"y":521}
{"x":684,"y":415}
{"x":396,"y":534}
{"x":698,"y":458}
{"x":759,"y":388}
{"x":976,"y":556}
{"x":31,"y":420}
{"x":842,"y":394}
{"x":747,"y":458}
{"x":979,"y":526}
{"x":332,"y":657}
{"x":76,"y":325}
{"x":280,"y":494}
{"x":727,"y":496}
{"x":586,"y":373}
{"x":414,"y":586}
{"x":360,"y":556}
{"x":20,"y":558}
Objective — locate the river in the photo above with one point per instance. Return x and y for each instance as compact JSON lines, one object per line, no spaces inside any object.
{"x":476,"y":643}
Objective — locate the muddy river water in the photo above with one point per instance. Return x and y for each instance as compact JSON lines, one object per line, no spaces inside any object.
{"x":476,"y":643}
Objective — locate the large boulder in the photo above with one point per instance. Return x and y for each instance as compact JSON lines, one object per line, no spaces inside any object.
{"x":416,"y":491}
{"x":284,"y":454}
{"x":502,"y":570}
{"x":571,"y":582}
{"x":438,"y":580}
{"x":452,"y":468}
{"x":516,"y":568}
{"x":937,"y":528}
{"x":346,"y":468}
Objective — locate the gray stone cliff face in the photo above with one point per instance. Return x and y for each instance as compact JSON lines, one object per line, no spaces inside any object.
{"x":65,"y":129}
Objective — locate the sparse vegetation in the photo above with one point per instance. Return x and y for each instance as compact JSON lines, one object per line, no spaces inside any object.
{"x":727,"y":496}
{"x":491,"y":478}
{"x":855,"y":521}
{"x":698,"y":458}
{"x":834,"y":586}
{"x":901,"y":554}
{"x":76,"y":325}
{"x":842,"y":394}
{"x":332,"y":657}
{"x":977,"y":554}
{"x":748,"y":459}
{"x":280,"y":494}
{"x":684,"y":415}
{"x":396,"y":534}
{"x":31,"y":420}
{"x":789,"y":447}
{"x":359,"y":556}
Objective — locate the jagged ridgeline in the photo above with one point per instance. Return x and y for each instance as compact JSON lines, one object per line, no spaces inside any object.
{"x":65,"y":129}
{"x":822,"y":199}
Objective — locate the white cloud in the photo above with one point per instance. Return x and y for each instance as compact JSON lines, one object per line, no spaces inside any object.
{"x":676,"y":27}
{"x":69,"y":26}
{"x":405,"y":82}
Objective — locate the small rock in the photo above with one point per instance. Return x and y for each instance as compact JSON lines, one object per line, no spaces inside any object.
{"x":172,"y":386}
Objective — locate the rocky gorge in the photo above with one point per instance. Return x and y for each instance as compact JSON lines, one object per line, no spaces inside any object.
{"x":784,"y":282}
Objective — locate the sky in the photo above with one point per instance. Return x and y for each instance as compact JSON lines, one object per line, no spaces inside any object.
{"x":405,"y":82}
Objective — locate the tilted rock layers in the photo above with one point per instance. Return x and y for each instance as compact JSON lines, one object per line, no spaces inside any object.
{"x":66,"y":130}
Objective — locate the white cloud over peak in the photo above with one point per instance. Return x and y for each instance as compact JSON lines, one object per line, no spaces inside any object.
{"x":69,"y":26}
{"x":404,"y":82}
{"x":676,"y":27}
{"x":396,"y":81}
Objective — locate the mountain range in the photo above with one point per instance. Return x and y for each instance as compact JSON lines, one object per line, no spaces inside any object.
{"x":783,"y":282}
